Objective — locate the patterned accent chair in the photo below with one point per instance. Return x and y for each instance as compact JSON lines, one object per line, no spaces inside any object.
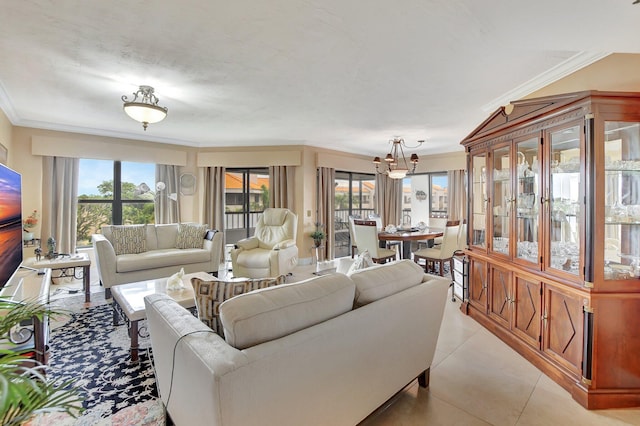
{"x":272,"y":250}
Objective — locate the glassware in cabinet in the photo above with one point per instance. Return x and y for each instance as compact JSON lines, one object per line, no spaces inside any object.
{"x":622,"y":200}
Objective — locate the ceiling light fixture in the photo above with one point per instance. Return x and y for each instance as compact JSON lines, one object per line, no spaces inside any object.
{"x":144,"y":107}
{"x":397,"y":164}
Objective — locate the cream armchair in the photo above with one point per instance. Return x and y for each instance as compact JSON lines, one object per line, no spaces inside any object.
{"x":272,"y":251}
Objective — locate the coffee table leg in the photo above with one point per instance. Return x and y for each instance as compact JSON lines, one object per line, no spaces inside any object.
{"x":86,"y":281}
{"x":133,"y":332}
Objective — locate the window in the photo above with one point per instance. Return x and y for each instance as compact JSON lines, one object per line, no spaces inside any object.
{"x":113,"y":192}
{"x":438,"y":195}
{"x":246,"y":197}
{"x":353,"y":196}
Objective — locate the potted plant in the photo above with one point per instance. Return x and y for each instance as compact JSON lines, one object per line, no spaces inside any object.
{"x":29,"y":223}
{"x":24,"y":389}
{"x":318,"y":235}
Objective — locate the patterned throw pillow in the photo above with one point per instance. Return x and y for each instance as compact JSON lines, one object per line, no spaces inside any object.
{"x":210,"y":294}
{"x":129,"y":239}
{"x":190,"y":236}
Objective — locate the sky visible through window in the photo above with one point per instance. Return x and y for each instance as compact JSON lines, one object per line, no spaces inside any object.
{"x":94,"y":172}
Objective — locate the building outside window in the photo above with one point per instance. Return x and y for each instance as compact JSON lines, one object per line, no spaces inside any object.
{"x":438,"y":195}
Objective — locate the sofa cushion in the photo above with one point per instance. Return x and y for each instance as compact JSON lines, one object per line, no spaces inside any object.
{"x":190,"y":236}
{"x":166,"y":235}
{"x":161,"y":258}
{"x":210,"y":294}
{"x":381,"y":281}
{"x":268,"y":314}
{"x":128,"y":239}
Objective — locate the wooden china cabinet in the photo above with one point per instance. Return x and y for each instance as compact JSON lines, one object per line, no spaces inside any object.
{"x":554,"y":239}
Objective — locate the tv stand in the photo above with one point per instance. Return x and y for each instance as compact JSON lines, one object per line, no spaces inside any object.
{"x":28,"y":286}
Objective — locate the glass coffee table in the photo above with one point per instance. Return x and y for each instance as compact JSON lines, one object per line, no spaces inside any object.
{"x":128,"y":303}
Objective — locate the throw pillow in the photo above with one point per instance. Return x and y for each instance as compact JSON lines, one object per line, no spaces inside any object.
{"x":129,"y":239}
{"x":190,"y":236}
{"x":210,"y":294}
{"x":361,"y":261}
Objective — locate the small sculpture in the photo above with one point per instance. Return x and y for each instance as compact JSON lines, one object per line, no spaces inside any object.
{"x":51,"y":248}
{"x":174,"y":282}
{"x":38,"y":252}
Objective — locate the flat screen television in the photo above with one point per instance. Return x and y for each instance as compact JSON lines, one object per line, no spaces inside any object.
{"x":10,"y":223}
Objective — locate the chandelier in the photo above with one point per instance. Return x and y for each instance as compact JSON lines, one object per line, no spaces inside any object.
{"x":397,"y":165}
{"x":144,"y":107}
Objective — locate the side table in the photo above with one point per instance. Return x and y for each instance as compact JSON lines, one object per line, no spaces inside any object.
{"x":64,"y":263}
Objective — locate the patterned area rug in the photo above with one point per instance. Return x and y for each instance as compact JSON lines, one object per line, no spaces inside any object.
{"x":94,"y":353}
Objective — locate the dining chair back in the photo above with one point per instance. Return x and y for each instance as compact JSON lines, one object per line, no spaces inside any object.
{"x":367,"y":239}
{"x":440,"y":254}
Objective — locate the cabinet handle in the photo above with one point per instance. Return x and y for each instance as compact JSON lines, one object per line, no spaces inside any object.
{"x":544,"y":317}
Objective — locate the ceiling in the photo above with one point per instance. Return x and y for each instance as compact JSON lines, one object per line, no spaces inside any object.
{"x":342,"y":74}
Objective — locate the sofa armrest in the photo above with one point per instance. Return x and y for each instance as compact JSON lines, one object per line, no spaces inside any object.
{"x":215,"y":247}
{"x":105,"y":259}
{"x":248,"y":243}
{"x":284,"y":244}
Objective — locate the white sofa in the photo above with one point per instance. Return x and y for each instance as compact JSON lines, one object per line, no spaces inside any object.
{"x":159,"y":259}
{"x":300,"y":354}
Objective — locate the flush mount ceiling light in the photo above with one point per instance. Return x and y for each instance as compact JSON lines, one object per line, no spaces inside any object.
{"x":144,"y":107}
{"x":397,"y":165}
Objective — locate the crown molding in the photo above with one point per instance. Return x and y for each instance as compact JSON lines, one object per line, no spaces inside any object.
{"x":563,"y":69}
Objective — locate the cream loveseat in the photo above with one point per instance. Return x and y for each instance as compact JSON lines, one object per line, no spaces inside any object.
{"x":326,"y":351}
{"x":131,"y":253}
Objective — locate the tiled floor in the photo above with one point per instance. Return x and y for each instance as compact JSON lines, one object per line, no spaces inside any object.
{"x":478,"y":380}
{"x":475,"y":380}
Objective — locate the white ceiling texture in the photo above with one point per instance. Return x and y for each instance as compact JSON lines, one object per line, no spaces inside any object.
{"x":342,"y":74}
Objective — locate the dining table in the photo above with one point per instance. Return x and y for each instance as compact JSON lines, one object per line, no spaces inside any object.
{"x":407,"y":235}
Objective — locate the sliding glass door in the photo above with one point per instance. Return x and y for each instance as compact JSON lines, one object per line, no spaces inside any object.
{"x":353,"y":196}
{"x":246,"y":197}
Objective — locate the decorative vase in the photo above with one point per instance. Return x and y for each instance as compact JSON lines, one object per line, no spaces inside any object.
{"x":27,"y":236}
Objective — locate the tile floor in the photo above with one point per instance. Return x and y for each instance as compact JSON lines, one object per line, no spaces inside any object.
{"x":475,"y":380}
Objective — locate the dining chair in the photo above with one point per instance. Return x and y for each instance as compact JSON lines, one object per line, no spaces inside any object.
{"x":440,"y":254}
{"x":367,"y":239}
{"x":438,"y":240}
{"x":389,"y":244}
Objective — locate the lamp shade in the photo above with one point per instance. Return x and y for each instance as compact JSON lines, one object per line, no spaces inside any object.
{"x":145,"y":113}
{"x":143,"y":107}
{"x":398,"y":173}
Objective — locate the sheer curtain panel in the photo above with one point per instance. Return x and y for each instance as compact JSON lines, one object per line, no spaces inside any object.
{"x":457,"y":197}
{"x":327,"y":206}
{"x":282,"y":186}
{"x":212,"y":214}
{"x":389,"y":199}
{"x":166,"y":209}
{"x":60,"y":202}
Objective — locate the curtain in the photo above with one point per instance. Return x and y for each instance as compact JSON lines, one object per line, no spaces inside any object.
{"x":167,"y":210}
{"x":213,"y":199}
{"x":281,"y":180}
{"x":60,"y":202}
{"x":457,"y":197}
{"x":389,"y":199}
{"x":326,"y":206}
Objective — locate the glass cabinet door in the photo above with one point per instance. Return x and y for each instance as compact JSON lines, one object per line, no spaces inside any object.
{"x":479,"y":200}
{"x":622,"y":200}
{"x":501,"y":199}
{"x":527,"y":200}
{"x":565,"y":191}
